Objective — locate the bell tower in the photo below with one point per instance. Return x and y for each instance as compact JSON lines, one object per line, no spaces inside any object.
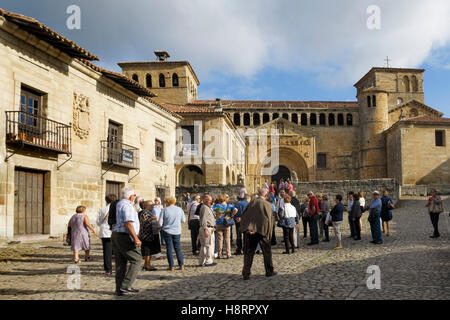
{"x":172,"y":81}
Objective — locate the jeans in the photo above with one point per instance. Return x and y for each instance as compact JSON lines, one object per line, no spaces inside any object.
{"x":435,"y":222}
{"x":288,"y":235}
{"x":125,"y":251}
{"x":251,"y":241}
{"x":107,"y":254}
{"x":238,"y":237}
{"x":313,"y":229}
{"x":161,"y":234}
{"x":194,"y":225}
{"x":352,"y":226}
{"x":305,"y":226}
{"x":173,"y":241}
{"x":375,"y":229}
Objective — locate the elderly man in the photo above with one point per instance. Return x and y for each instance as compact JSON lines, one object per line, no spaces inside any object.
{"x":194,"y":224}
{"x":374,"y":218}
{"x":206,"y":233}
{"x":125,"y":242}
{"x":313,"y":217}
{"x":256,"y":225}
{"x":238,"y":210}
{"x":296,"y":204}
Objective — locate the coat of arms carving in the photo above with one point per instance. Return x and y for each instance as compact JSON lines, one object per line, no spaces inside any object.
{"x":81,"y":115}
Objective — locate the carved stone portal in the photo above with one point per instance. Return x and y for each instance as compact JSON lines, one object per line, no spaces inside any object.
{"x":81,"y":115}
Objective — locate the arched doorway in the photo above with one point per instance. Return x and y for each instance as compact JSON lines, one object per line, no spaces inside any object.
{"x":191,"y":175}
{"x":281,"y":172}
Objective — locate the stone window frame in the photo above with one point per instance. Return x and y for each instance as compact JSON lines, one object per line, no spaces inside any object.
{"x":148,"y":80}
{"x":159,"y":150}
{"x":321,"y":160}
{"x":439,"y":141}
{"x":135,"y":77}
{"x":162,"y":81}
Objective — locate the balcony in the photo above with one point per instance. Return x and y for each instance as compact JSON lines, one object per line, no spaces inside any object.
{"x":115,"y":153}
{"x":26,"y":129}
{"x":189,"y":150}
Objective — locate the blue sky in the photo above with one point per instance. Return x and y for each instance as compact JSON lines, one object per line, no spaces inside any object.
{"x":266,"y":49}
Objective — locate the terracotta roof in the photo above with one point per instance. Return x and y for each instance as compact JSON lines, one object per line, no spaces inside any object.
{"x":418,"y":103}
{"x":46,"y":34}
{"x":259,"y":104}
{"x":122,"y":64}
{"x":124,"y":81}
{"x":188,"y":109}
{"x":427,"y":120}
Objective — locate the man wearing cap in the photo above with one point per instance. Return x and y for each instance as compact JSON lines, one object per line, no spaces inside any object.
{"x":374,"y":218}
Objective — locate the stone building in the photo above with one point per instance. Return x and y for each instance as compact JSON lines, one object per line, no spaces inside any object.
{"x":72,"y":132}
{"x":325,"y":140}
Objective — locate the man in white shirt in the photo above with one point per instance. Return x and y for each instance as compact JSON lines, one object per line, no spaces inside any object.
{"x":105,"y":233}
{"x":194,"y":224}
{"x":125,"y":242}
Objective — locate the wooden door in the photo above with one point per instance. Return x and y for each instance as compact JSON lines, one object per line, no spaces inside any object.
{"x":114,"y":152}
{"x":28,"y":202}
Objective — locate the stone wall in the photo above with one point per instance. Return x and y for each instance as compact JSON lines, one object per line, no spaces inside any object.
{"x":424,"y":190}
{"x":342,"y":187}
{"x":215,"y":190}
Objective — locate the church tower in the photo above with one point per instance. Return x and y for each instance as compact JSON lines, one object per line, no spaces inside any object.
{"x":378,"y":92}
{"x":172,"y":81}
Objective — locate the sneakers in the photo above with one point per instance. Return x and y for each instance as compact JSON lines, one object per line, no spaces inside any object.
{"x":181,"y":268}
{"x":337,"y":248}
{"x":171,"y":268}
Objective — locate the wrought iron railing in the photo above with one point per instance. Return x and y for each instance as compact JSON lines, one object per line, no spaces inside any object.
{"x":119,"y":154}
{"x":190,"y":150}
{"x":24,"y":128}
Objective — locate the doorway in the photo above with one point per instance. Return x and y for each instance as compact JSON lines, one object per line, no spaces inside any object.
{"x":280,"y":172}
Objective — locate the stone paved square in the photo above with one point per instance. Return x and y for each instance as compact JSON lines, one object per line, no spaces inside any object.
{"x":412,"y":265}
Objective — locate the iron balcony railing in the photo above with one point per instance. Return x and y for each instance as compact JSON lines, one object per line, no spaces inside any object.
{"x":190,"y":150}
{"x":24,"y":128}
{"x":116,"y":153}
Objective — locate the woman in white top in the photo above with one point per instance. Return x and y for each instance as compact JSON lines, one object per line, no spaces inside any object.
{"x":362,"y":202}
{"x":105,"y":233}
{"x":288,"y":222}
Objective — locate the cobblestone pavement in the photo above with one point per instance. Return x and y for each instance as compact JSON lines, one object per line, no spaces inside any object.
{"x":412,"y":265}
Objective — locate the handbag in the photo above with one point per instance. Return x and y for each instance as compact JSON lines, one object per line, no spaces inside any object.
{"x":328,"y":220}
{"x":227,"y":222}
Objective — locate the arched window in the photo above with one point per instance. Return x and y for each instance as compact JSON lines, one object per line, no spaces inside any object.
{"x":275,"y":116}
{"x":399,"y":100}
{"x":313,"y":119}
{"x":369,"y":101}
{"x":162,"y":80}
{"x":374,"y":101}
{"x":285,"y":116}
{"x":349,"y":119}
{"x":266,"y":117}
{"x":322,"y":119}
{"x":148,"y":80}
{"x":246,"y":119}
{"x":415,"y":84}
{"x":135,"y":77}
{"x":406,"y":83}
{"x":304,"y":119}
{"x":237,"y":119}
{"x":295,"y":118}
{"x":413,"y":113}
{"x":340,"y":119}
{"x":331,"y":120}
{"x":256,"y":119}
{"x":175,"y":81}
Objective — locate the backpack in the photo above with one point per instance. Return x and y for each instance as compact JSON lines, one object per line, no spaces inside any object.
{"x":112,"y":214}
{"x":197,"y":210}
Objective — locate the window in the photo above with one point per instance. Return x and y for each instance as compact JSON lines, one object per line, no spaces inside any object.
{"x":349,"y":119}
{"x":295,"y":118}
{"x":256,"y":119}
{"x":406,"y":83}
{"x":322,"y":119}
{"x":285,"y":116}
{"x":159,"y":150}
{"x":266,"y":117}
{"x":175,"y":81}
{"x":369,"y":101}
{"x":440,"y":138}
{"x":304,"y":119}
{"x":331,"y":120}
{"x":246,"y":119}
{"x":374,"y":101}
{"x":321,"y":160}
{"x":135,"y":77}
{"x":313,"y":119}
{"x":415,"y":84}
{"x":162,"y":80}
{"x":340,"y":119}
{"x":30,"y":107}
{"x":189,"y":136}
{"x":148,"y":80}
{"x":275,"y":116}
{"x":399,"y":101}
{"x":237,"y":119}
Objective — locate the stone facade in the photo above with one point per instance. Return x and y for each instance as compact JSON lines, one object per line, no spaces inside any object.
{"x":81,"y":97}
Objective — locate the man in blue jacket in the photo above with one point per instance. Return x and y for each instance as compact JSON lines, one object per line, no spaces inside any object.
{"x":238,"y":210}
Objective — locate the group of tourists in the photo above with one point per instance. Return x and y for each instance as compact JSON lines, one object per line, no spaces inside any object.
{"x":133,"y":229}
